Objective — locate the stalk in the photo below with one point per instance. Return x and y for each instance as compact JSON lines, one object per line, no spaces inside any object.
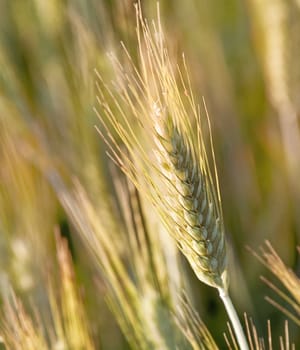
{"x":233,"y":317}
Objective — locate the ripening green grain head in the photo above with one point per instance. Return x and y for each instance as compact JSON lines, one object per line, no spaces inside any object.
{"x":152,"y":127}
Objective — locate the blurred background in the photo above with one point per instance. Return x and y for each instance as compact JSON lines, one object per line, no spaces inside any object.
{"x":242,"y":55}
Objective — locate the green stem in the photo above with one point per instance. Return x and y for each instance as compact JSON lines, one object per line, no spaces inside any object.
{"x":235,"y":322}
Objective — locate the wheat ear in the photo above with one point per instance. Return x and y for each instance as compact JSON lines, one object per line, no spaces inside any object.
{"x":196,"y":211}
{"x":147,"y":103}
{"x":197,"y":220}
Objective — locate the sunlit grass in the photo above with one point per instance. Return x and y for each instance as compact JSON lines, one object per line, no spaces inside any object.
{"x":110,"y":247}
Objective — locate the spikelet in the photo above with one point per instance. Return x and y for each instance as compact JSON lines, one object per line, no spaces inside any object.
{"x":158,"y":122}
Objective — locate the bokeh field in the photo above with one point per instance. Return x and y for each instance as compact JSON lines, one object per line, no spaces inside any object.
{"x":84,"y":262}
